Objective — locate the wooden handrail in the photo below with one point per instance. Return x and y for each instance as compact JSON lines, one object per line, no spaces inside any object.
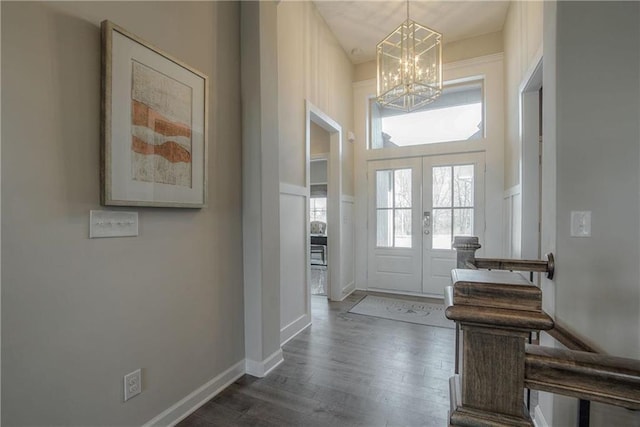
{"x":589,"y":376}
{"x":571,"y":340}
{"x":466,"y":247}
{"x":538,"y":266}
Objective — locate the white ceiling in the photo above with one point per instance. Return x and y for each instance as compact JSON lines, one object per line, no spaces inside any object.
{"x":360,"y":25}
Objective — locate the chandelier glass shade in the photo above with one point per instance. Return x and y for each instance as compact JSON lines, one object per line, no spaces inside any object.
{"x":409,"y":67}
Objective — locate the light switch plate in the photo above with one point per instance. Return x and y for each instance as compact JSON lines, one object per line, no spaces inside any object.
{"x":580,"y":223}
{"x":112,"y":224}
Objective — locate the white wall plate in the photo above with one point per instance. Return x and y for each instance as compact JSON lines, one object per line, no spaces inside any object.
{"x":112,"y":224}
{"x":580,"y":223}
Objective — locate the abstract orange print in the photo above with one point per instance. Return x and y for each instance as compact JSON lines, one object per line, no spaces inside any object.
{"x":160,"y":128}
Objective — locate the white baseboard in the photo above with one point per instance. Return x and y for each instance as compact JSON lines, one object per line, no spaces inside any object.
{"x":199,"y":397}
{"x":294,"y":328}
{"x":348,"y":290}
{"x":261,"y":369}
{"x":538,"y":418}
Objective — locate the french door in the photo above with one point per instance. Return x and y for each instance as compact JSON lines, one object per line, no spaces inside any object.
{"x":453,"y":205}
{"x":416,"y":206}
{"x":395,"y":245}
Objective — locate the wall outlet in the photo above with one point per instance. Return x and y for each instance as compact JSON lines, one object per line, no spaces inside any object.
{"x":132,"y":384}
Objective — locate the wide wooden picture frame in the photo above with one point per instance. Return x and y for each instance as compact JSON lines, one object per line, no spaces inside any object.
{"x":154,"y":125}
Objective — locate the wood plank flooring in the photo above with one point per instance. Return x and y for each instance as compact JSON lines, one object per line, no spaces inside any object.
{"x":345,"y":370}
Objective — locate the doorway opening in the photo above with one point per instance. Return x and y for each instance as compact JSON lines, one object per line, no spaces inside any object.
{"x":324,"y":180}
{"x":531,"y":166}
{"x":318,"y":208}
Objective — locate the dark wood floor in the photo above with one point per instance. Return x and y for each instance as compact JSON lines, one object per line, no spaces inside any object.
{"x":346,"y":369}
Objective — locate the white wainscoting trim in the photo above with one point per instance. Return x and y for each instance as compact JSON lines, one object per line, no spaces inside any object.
{"x":538,"y":417}
{"x":512,"y":191}
{"x":294,"y":328}
{"x":261,"y":369}
{"x":199,"y":397}
{"x":294,"y":190}
{"x":348,"y":199}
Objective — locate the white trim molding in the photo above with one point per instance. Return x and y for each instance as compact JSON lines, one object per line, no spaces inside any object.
{"x":261,"y":369}
{"x":479,"y":60}
{"x":348,"y":290}
{"x":512,"y":191}
{"x":294,"y":328}
{"x":294,"y":190}
{"x":185,"y":407}
{"x":348,"y":199}
{"x":318,"y":156}
{"x":538,"y":417}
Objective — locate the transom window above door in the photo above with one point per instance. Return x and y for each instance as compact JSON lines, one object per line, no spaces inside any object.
{"x":457,"y":115}
{"x":393,"y":208}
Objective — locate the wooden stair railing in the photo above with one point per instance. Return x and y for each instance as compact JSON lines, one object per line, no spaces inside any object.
{"x":587,"y":376}
{"x":497,"y":311}
{"x":466,"y":247}
{"x":571,"y":340}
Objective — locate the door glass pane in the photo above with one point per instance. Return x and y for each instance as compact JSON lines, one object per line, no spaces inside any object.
{"x":403,"y":228}
{"x":384,"y":231}
{"x":463,"y":186}
{"x":441,"y":187}
{"x":463,"y":222}
{"x":442,"y":229}
{"x":384,"y":189}
{"x":402,"y":188}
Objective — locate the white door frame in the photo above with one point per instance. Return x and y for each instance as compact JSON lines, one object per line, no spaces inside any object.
{"x":529,"y":165}
{"x":334,"y":200}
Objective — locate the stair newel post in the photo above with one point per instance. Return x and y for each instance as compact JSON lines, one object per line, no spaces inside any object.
{"x":466,"y":247}
{"x":496,"y":311}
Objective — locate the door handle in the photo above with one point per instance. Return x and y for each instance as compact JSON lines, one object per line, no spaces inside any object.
{"x":426,"y":223}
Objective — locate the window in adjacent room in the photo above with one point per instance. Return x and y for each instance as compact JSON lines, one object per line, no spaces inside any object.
{"x":318,"y":209}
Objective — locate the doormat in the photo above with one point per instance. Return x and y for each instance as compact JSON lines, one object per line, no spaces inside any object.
{"x":422,"y":313}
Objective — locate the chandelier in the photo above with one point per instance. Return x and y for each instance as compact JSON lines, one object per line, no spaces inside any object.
{"x":409,"y":66}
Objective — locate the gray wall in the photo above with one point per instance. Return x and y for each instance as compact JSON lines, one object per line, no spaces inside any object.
{"x":597,"y":287}
{"x":77,"y":314}
{"x":598,"y":155}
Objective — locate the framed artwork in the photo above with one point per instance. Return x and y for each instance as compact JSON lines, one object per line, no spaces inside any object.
{"x":154,"y":125}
